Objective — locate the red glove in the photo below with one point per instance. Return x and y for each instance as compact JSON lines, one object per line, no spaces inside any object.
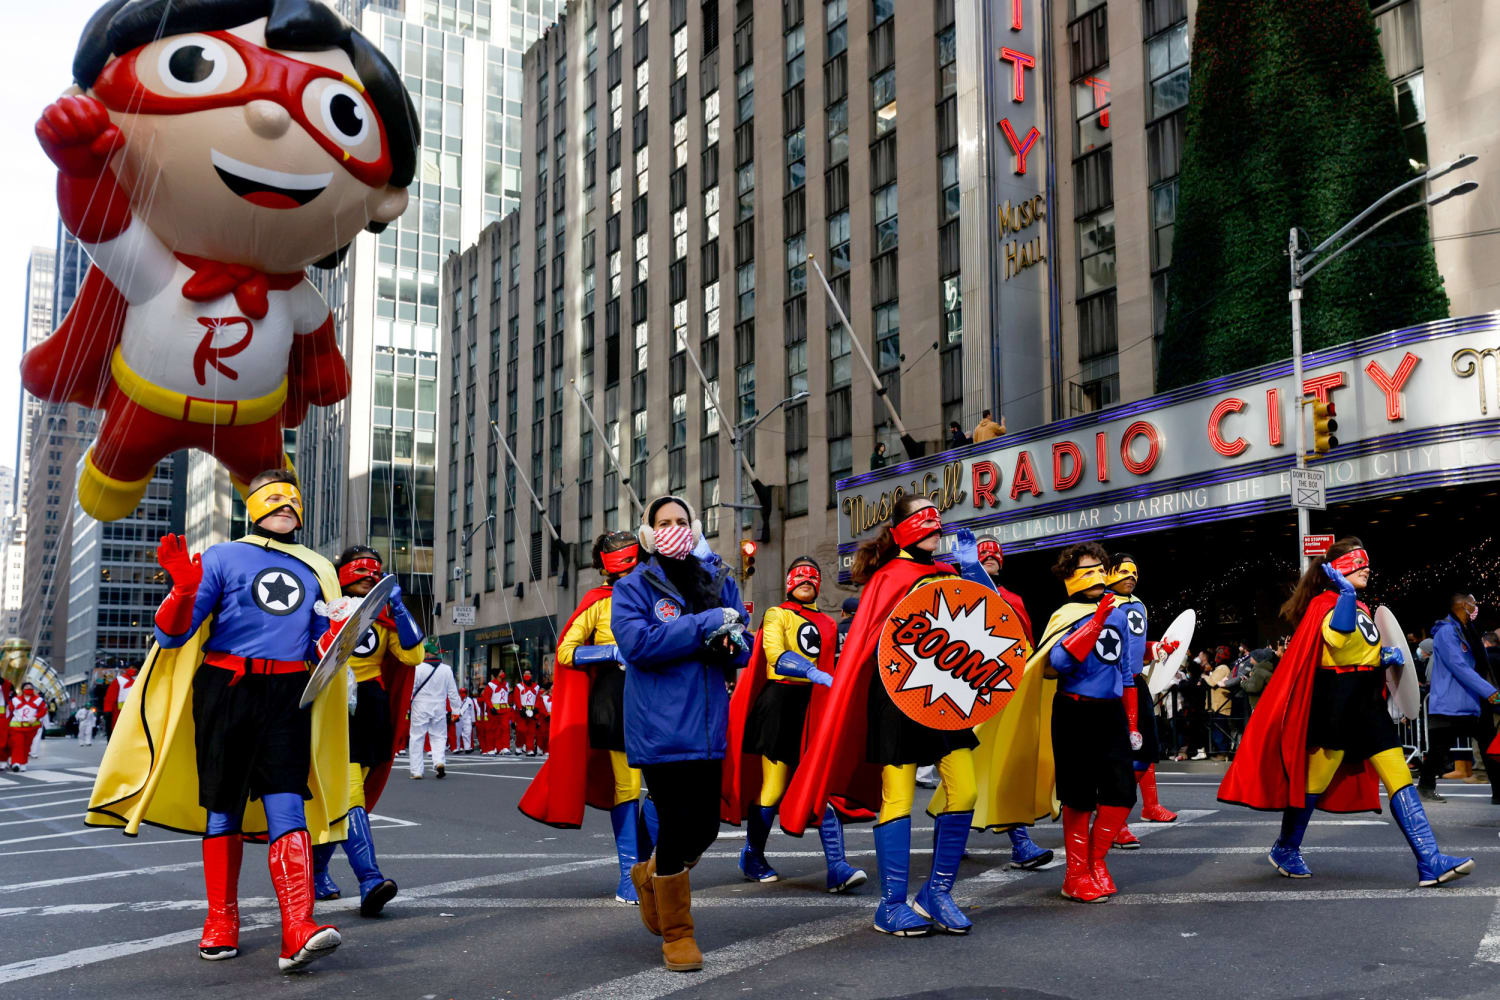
{"x":1157,"y":650}
{"x":1081,"y":643}
{"x":175,"y":616}
{"x":316,"y":373}
{"x":77,"y":135}
{"x":1132,"y":715}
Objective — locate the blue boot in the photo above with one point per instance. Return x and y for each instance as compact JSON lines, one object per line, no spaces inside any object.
{"x":893,"y":853}
{"x":1025,"y":853}
{"x":841,"y":874}
{"x":375,"y":890}
{"x":1433,"y":866}
{"x":623,"y":818}
{"x":950,"y":832}
{"x":1286,"y":853}
{"x":324,"y":887}
{"x":753,"y":854}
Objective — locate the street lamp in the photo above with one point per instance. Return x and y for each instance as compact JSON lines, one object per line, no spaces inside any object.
{"x":740,"y":463}
{"x":463,"y":642}
{"x":1304,"y":266}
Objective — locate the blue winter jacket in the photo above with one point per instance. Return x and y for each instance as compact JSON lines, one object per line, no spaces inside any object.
{"x":1457,"y":689}
{"x":676,"y":701}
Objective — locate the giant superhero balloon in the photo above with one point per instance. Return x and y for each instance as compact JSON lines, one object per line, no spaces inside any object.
{"x":210,"y":151}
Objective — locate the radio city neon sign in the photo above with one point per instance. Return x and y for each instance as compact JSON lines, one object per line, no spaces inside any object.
{"x":1020,"y":62}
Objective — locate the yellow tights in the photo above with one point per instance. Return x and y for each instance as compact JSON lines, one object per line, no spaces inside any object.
{"x":357,"y":775}
{"x":774,"y":775}
{"x":1389,"y":764}
{"x":627,"y":778}
{"x":898,"y":785}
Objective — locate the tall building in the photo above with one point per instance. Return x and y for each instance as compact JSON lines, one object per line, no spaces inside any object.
{"x":369,"y":463}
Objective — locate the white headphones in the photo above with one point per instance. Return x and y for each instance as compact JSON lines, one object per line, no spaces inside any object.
{"x":646,"y":535}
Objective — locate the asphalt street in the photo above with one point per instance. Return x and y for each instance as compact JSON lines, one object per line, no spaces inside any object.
{"x":494,"y":905}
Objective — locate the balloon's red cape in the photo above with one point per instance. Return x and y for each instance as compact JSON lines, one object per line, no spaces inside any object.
{"x":833,"y":763}
{"x":574,"y":774}
{"x":72,"y":365}
{"x":742,"y":777}
{"x":1269,"y":770}
{"x":396,"y":677}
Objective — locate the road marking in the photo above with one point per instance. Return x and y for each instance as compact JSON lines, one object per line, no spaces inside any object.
{"x":1288,"y":895}
{"x":379,"y":821}
{"x":512,"y":777}
{"x":59,"y":833}
{"x":47,"y":883}
{"x":54,"y":777}
{"x":32,"y":967}
{"x":43,"y":805}
{"x":71,"y":815}
{"x":1489,"y":945}
{"x":1277,"y":822}
{"x":104,"y":847}
{"x":38,"y":795}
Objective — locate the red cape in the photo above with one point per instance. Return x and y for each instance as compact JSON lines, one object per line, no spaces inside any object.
{"x":742,"y":775}
{"x":72,"y":365}
{"x":574,"y":774}
{"x":1269,"y":771}
{"x":1014,"y":600}
{"x":833,"y":762}
{"x":396,"y":677}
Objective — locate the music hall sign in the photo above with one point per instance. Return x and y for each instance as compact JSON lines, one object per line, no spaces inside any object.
{"x":1416,"y":408}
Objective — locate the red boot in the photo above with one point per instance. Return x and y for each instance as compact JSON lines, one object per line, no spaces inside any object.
{"x":1152,"y":811}
{"x":1078,"y":882}
{"x":1107,"y":823}
{"x":1125,"y":840}
{"x":302,"y":940}
{"x":221,"y":880}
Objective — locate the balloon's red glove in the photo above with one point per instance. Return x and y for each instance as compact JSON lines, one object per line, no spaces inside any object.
{"x":77,"y":135}
{"x":1081,"y":642}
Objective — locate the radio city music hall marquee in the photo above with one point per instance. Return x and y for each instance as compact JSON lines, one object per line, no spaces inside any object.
{"x":1416,"y":407}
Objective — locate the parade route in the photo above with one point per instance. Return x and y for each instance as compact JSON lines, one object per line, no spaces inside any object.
{"x":493,"y":905}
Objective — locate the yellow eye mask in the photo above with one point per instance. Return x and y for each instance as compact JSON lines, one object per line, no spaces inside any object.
{"x":1083,"y":578}
{"x":272,"y":497}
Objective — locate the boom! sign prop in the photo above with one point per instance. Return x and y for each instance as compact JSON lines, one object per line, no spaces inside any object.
{"x":951,"y":654}
{"x":207,"y":154}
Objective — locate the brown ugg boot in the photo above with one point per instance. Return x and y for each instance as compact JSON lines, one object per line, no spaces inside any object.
{"x":1462,"y":769}
{"x":674,"y":899}
{"x":642,"y":875}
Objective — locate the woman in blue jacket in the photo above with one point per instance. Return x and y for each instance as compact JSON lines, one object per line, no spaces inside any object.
{"x":1460,"y":694}
{"x":679,"y":623}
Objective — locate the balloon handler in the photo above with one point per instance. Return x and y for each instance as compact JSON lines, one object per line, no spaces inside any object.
{"x":209,"y":152}
{"x":587,"y":763}
{"x":791,"y":665}
{"x":1321,"y":735}
{"x":215,"y":723}
{"x":382,"y":665}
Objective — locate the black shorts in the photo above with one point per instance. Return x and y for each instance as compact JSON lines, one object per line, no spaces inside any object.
{"x":896,"y":738}
{"x":774,"y":727}
{"x":1150,"y":751}
{"x":1349,"y":713}
{"x":371,"y":738}
{"x":1091,"y":744}
{"x":607,"y":708}
{"x":252,"y":739}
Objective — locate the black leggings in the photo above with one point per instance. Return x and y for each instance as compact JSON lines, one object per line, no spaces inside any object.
{"x":686,"y":793}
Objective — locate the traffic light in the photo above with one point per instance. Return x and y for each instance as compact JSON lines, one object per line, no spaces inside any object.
{"x":747,"y":557}
{"x":1324,"y":427}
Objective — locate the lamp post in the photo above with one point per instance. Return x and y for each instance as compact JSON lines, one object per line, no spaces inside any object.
{"x":1305,"y":265}
{"x":740,"y":463}
{"x":463,"y":642}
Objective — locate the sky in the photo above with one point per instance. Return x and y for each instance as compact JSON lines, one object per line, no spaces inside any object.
{"x":36,"y":49}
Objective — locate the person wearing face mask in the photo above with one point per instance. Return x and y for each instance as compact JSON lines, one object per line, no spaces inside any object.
{"x":235,"y":638}
{"x":792,"y":660}
{"x":1321,"y":736}
{"x":1460,"y":694}
{"x":587,"y":765}
{"x":865,"y":751}
{"x":679,"y":623}
{"x":526,"y":706}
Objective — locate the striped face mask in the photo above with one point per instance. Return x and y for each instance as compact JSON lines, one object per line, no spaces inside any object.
{"x":675,"y":541}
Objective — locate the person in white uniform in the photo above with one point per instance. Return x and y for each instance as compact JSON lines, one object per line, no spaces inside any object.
{"x":86,"y":719}
{"x":434,"y":697}
{"x":465,"y":729}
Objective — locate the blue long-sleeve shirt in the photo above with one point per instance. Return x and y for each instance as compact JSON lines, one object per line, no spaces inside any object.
{"x":1106,"y":670}
{"x":1136,"y":621}
{"x":1457,"y":688}
{"x":261,"y":601}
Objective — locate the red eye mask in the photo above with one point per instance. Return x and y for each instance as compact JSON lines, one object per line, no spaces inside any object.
{"x":620,"y":560}
{"x":1352,"y":562}
{"x":917,"y":526}
{"x":990,"y":549}
{"x":359,"y":569}
{"x":800,"y":574}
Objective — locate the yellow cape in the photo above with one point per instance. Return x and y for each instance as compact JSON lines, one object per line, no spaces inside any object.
{"x":150,"y":770}
{"x":1013,"y":766}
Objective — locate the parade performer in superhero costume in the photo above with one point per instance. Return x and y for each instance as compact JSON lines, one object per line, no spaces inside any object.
{"x":1321,"y":734}
{"x":211,"y":151}
{"x":215,"y":721}
{"x":117,"y":693}
{"x":587,"y":764}
{"x":1025,"y":854}
{"x":793,"y":657}
{"x":1122,"y":579}
{"x":865,"y":751}
{"x":382,"y":665}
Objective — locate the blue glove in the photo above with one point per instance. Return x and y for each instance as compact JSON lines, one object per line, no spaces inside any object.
{"x":791,"y":664}
{"x":717,"y":621}
{"x":408,"y":632}
{"x":965,"y":556}
{"x":588,"y":656}
{"x":1390,"y":656}
{"x":1344,"y":612}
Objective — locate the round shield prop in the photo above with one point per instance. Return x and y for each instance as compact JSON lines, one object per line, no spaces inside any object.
{"x":1400,"y":680}
{"x":1163,"y":669}
{"x":951,"y":654}
{"x":349,"y":636}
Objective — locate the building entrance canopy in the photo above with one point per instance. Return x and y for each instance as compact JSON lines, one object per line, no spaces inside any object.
{"x":1416,"y":407}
